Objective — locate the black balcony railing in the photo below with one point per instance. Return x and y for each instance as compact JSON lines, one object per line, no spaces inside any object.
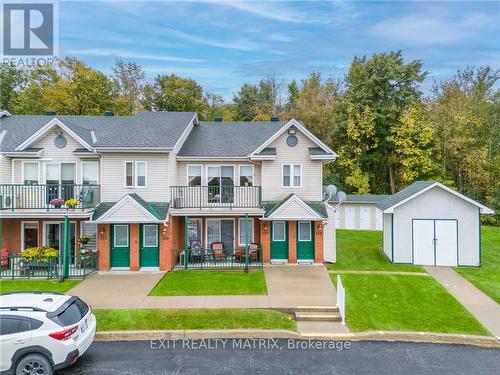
{"x":215,"y":196}
{"x":49,"y":197}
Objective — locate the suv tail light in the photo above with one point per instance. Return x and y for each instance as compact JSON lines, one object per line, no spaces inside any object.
{"x":63,"y":335}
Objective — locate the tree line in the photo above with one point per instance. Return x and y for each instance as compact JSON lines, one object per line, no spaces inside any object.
{"x":387,"y":134}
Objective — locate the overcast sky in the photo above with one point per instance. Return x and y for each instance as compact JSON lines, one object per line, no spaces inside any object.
{"x":223,"y":44}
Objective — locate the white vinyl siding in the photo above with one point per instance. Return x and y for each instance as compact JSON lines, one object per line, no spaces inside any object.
{"x":311,"y":176}
{"x":5,"y":170}
{"x":113,"y":176}
{"x":90,"y":229}
{"x":50,"y":155}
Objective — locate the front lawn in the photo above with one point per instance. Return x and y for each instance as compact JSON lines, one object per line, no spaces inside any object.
{"x":361,"y":250}
{"x":486,"y":277}
{"x":151,"y":319}
{"x":204,"y":283}
{"x":44,"y":285}
{"x":404,"y":303}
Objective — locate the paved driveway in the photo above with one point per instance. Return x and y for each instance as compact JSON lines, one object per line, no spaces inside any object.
{"x":138,"y":357}
{"x":299,"y":285}
{"x":117,"y":290}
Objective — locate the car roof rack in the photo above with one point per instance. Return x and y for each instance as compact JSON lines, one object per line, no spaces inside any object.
{"x":17,"y":308}
{"x":33,"y":292}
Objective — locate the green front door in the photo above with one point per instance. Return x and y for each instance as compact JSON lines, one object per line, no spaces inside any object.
{"x":305,"y":240}
{"x":279,"y":240}
{"x":150,"y":250}
{"x":120,"y":245}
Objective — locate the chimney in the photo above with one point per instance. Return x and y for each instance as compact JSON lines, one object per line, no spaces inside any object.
{"x":218,"y":119}
{"x":108,"y":113}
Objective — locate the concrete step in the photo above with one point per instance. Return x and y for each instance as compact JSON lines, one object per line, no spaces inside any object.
{"x":331,"y":309}
{"x":317,"y":316}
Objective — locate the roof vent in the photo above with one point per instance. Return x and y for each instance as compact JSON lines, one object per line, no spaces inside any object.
{"x":49,"y":113}
{"x":275,"y":119}
{"x":108,"y":113}
{"x":218,"y":119}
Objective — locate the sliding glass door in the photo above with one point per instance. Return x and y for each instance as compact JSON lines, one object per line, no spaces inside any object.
{"x":221,"y":230}
{"x":54,"y":237}
{"x":220,"y":184}
{"x":60,"y":179}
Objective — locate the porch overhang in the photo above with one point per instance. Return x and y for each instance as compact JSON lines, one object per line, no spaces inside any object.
{"x":294,"y":208}
{"x":216,"y":211}
{"x":131,"y":209}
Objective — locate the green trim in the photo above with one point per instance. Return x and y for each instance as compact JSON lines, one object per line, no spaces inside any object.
{"x":392,"y":238}
{"x":186,"y":240}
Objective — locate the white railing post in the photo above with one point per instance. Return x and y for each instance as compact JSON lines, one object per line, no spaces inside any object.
{"x":341,"y":298}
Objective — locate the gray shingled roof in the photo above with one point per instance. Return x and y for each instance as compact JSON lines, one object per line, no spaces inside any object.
{"x":363,"y":198}
{"x":401,"y":195}
{"x":146,"y":129}
{"x":228,"y":139}
{"x":157,"y":209}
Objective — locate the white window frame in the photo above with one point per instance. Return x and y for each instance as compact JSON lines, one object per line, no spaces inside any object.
{"x":30,"y":162}
{"x":144,"y":237}
{"x":251,"y":234}
{"x":23,"y":245}
{"x":89,"y":162}
{"x":220,"y":172}
{"x":284,"y":231}
{"x":201,"y":173}
{"x":292,"y":175}
{"x":128,"y":234}
{"x":310,"y":231}
{"x":239,"y":173}
{"x":134,"y":174}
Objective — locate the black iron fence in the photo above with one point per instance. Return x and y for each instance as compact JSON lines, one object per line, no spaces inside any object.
{"x":215,"y":196}
{"x":18,"y":267}
{"x":208,"y":258}
{"x":49,"y":197}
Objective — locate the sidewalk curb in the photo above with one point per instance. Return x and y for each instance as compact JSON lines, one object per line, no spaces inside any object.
{"x":392,"y":336}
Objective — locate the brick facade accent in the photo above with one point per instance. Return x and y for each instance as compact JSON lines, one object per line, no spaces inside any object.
{"x":134,"y":247}
{"x":103,"y":244}
{"x":265,"y":240}
{"x":292,"y":242}
{"x":318,"y":242}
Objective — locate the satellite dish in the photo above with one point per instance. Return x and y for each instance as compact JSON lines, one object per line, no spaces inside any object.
{"x":331,"y":190}
{"x":341,"y":196}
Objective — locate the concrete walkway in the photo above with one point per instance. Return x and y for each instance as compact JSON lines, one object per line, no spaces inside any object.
{"x":299,"y":285}
{"x":116,"y":290}
{"x":479,"y":304}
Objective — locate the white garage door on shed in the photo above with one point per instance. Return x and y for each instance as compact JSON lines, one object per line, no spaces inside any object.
{"x":435,"y":242}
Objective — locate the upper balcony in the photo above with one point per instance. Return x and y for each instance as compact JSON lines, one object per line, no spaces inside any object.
{"x":49,"y":197}
{"x":216,"y":196}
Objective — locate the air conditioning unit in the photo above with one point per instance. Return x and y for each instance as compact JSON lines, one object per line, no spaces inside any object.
{"x":7,"y":201}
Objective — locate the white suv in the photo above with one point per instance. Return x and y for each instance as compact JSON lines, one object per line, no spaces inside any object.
{"x":43,"y":331}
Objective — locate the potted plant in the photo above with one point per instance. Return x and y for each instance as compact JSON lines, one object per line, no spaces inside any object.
{"x":72,"y":203}
{"x":56,"y":202}
{"x":39,"y":258}
{"x":83,"y":240}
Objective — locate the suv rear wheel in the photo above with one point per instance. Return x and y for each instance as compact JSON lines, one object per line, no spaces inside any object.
{"x":34,"y":364}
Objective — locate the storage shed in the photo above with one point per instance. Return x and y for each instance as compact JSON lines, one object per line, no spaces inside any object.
{"x":359,"y":211}
{"x":428,"y":223}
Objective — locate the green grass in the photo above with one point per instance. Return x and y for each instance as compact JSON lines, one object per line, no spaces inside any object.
{"x":361,"y":250}
{"x":46,"y":285}
{"x":486,"y":277}
{"x":149,"y":319}
{"x":404,"y":303}
{"x":200,"y":283}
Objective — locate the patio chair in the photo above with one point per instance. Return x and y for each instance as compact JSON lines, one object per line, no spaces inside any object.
{"x":195,"y":251}
{"x":253,"y":253}
{"x":218,"y":251}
